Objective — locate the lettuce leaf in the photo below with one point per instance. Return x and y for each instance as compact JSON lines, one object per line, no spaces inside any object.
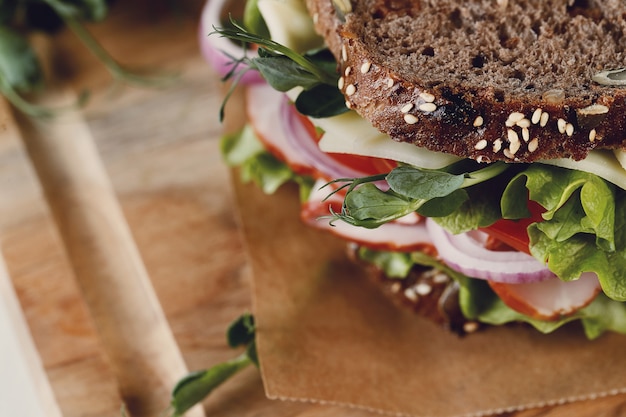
{"x":244,"y":150}
{"x":584,"y":226}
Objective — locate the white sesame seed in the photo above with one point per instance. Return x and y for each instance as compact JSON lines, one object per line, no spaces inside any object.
{"x":569,"y":129}
{"x":480,"y":158}
{"x":341,"y":83}
{"x":410,"y":119}
{"x":344,"y":53}
{"x":411,"y":294}
{"x":350,"y":89}
{"x":427,"y":97}
{"x":478,"y":121}
{"x":543,"y":121}
{"x":316,"y":17}
{"x":347,"y":71}
{"x":423,"y":288}
{"x":406,"y":108}
{"x":508,"y":154}
{"x":366,"y":67}
{"x":536,"y":116}
{"x":514,"y":147}
{"x":390,"y":82}
{"x":348,"y":104}
{"x":514,"y":118}
{"x":525,"y":134}
{"x":560,"y":124}
{"x":481,"y":144}
{"x":497,"y":145}
{"x":440,"y":278}
{"x":470,"y":327}
{"x":592,"y":135}
{"x":428,"y":107}
{"x":512,"y":136}
{"x":533,"y":145}
{"x":523,"y":123}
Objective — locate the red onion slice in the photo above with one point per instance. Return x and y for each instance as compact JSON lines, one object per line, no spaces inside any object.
{"x":263,"y":107}
{"x":219,"y":51}
{"x":465,"y":253}
{"x":300,"y":140}
{"x":404,"y":235}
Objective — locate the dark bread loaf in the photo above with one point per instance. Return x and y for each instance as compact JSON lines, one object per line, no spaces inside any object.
{"x":489,"y":80}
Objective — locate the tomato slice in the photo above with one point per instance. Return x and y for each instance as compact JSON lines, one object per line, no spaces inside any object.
{"x":366,"y":164}
{"x":513,"y":232}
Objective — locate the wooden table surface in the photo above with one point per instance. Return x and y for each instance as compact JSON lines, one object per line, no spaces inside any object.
{"x":161,"y":151}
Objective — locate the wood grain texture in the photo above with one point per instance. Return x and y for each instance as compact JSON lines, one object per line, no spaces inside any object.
{"x":161,"y":151}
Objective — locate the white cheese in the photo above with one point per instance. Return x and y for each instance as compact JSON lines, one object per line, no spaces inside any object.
{"x":349,"y":133}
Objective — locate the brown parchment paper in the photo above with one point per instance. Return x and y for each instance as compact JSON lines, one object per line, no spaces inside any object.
{"x":326,"y":334}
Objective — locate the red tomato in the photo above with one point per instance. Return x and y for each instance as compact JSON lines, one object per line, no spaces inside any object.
{"x":513,"y":232}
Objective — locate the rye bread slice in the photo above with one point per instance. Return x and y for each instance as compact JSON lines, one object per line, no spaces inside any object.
{"x":489,"y":80}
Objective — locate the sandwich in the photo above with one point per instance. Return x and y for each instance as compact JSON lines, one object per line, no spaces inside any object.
{"x":471,"y":153}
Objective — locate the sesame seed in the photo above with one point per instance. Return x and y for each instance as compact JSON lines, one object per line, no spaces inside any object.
{"x":480,"y":158}
{"x":341,"y":83}
{"x":478,"y":122}
{"x":560,"y":124}
{"x":514,"y":118}
{"x":592,"y":135}
{"x":440,"y":278}
{"x":470,"y":327}
{"x":533,"y":145}
{"x":514,"y":147}
{"x":525,"y":134}
{"x":348,"y":104}
{"x":481,"y":144}
{"x":344,"y":53}
{"x":497,"y":145}
{"x":524,"y":123}
{"x":390,"y":82}
{"x":410,"y":119}
{"x":316,"y":17}
{"x":411,"y":294}
{"x":512,"y":136}
{"x":350,"y":89}
{"x":406,"y":108}
{"x":508,"y":154}
{"x":366,"y":67}
{"x":396,"y":287}
{"x":543,"y":121}
{"x":536,"y":116}
{"x":347,"y":71}
{"x":427,"y":97}
{"x":569,"y":129}
{"x":423,"y":288}
{"x":428,"y":107}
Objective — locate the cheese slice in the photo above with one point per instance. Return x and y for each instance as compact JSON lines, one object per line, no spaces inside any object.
{"x":349,"y":133}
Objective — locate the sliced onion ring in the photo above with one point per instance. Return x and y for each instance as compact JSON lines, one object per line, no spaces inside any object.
{"x":465,"y":253}
{"x":406,"y":235}
{"x":300,"y":139}
{"x":220,"y":51}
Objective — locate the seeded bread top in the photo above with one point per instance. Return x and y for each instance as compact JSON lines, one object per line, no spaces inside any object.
{"x":489,"y":80}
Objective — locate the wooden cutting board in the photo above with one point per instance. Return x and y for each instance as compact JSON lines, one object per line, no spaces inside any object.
{"x":160,"y":149}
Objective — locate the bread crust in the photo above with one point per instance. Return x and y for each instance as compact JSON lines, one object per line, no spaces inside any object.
{"x":479,"y":121}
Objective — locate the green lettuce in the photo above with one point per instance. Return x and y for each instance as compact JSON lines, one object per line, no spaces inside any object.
{"x":244,"y":150}
{"x":583,"y":228}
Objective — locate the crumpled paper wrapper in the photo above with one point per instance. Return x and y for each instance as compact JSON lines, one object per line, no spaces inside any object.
{"x":327,"y":334}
